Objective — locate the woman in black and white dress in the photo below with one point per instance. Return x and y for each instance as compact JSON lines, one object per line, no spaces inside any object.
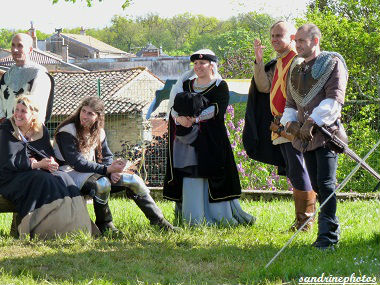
{"x":202,"y":176}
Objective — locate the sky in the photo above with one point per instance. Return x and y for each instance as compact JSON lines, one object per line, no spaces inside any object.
{"x":47,"y":16}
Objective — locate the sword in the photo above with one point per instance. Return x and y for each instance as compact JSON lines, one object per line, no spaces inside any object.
{"x":343,"y":148}
{"x":340,"y":187}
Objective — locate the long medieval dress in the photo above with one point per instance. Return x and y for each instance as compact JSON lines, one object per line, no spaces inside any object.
{"x":202,"y":177}
{"x":47,"y":203}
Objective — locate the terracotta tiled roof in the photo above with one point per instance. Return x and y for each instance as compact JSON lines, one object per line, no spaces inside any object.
{"x":72,"y":87}
{"x":40,"y":57}
{"x":95,"y":43}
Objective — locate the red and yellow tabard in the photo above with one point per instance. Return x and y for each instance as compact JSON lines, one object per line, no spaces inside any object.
{"x":278,"y":88}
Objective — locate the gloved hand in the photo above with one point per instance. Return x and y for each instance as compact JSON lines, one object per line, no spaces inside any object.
{"x":274,"y":127}
{"x":294,"y":128}
{"x":306,"y":130}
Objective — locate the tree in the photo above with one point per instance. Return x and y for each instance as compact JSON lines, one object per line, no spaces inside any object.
{"x":349,"y":27}
{"x":6,"y":38}
{"x":364,"y":10}
{"x":254,"y":22}
{"x":90,"y":2}
{"x":125,"y":33}
{"x":180,"y":27}
{"x":234,"y":46}
{"x":156,"y":32}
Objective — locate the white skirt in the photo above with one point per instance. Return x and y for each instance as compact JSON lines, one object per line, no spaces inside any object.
{"x":196,"y":208}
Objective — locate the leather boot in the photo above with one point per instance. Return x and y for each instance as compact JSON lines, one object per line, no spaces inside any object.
{"x":304,"y":202}
{"x":14,"y":226}
{"x":104,"y":219}
{"x":151,"y":211}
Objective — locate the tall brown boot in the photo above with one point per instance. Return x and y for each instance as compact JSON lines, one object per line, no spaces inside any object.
{"x":304,"y":202}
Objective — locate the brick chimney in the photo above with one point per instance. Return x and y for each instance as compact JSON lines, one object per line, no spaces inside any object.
{"x":65,"y":53}
{"x":32,"y":33}
{"x":82,"y":31}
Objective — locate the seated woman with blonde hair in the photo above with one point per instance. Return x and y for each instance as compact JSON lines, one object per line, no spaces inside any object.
{"x":47,"y":200}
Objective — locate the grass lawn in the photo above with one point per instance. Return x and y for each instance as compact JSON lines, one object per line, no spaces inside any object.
{"x":202,"y":255}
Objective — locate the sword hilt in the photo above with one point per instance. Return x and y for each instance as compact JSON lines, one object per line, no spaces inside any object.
{"x":336,"y":143}
{"x":339,"y":144}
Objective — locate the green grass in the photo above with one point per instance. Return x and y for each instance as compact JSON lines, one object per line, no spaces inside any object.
{"x":202,"y":255}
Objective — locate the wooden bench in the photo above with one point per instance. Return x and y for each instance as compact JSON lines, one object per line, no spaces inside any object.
{"x":8,"y":207}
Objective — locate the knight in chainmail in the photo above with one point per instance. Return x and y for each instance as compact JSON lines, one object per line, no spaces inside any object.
{"x":25,"y":78}
{"x":316,"y":86}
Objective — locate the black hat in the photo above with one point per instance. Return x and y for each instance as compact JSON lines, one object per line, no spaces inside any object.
{"x":204,"y":54}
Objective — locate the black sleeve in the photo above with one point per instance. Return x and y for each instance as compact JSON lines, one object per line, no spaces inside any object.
{"x":106,"y":153}
{"x":14,"y":155}
{"x":46,"y":144}
{"x":222,"y":99}
{"x":68,"y":145}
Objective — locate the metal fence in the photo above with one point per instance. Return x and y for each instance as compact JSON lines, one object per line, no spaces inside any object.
{"x":129,"y":134}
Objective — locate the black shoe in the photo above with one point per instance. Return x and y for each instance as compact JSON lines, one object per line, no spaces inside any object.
{"x":323,"y":245}
{"x":109,"y":229}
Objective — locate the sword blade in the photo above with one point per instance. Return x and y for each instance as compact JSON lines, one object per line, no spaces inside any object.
{"x":350,"y":153}
{"x":340,"y":187}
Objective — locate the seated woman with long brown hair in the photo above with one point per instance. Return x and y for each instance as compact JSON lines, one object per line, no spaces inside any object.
{"x":47,"y":201}
{"x":81,"y":145}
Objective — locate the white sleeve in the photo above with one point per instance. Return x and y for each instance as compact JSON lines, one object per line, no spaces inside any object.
{"x":2,"y":113}
{"x":174,"y":115}
{"x":289,"y":115}
{"x":327,"y":112}
{"x":40,"y":93}
{"x":207,"y":113}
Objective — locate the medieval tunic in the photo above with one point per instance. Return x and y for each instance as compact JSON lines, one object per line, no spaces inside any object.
{"x":30,"y":79}
{"x":324,"y":77}
{"x":316,"y":89}
{"x":80,"y":166}
{"x":48,"y":203}
{"x":214,"y":163}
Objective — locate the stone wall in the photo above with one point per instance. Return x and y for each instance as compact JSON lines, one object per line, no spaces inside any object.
{"x":121,"y":128}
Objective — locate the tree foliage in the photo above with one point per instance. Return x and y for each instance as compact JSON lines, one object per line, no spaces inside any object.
{"x":352,"y":29}
{"x":90,"y":2}
{"x":6,"y":37}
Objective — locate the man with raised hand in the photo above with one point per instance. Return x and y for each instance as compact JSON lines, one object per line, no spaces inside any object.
{"x":316,"y":86}
{"x":25,"y":78}
{"x":270,"y":80}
